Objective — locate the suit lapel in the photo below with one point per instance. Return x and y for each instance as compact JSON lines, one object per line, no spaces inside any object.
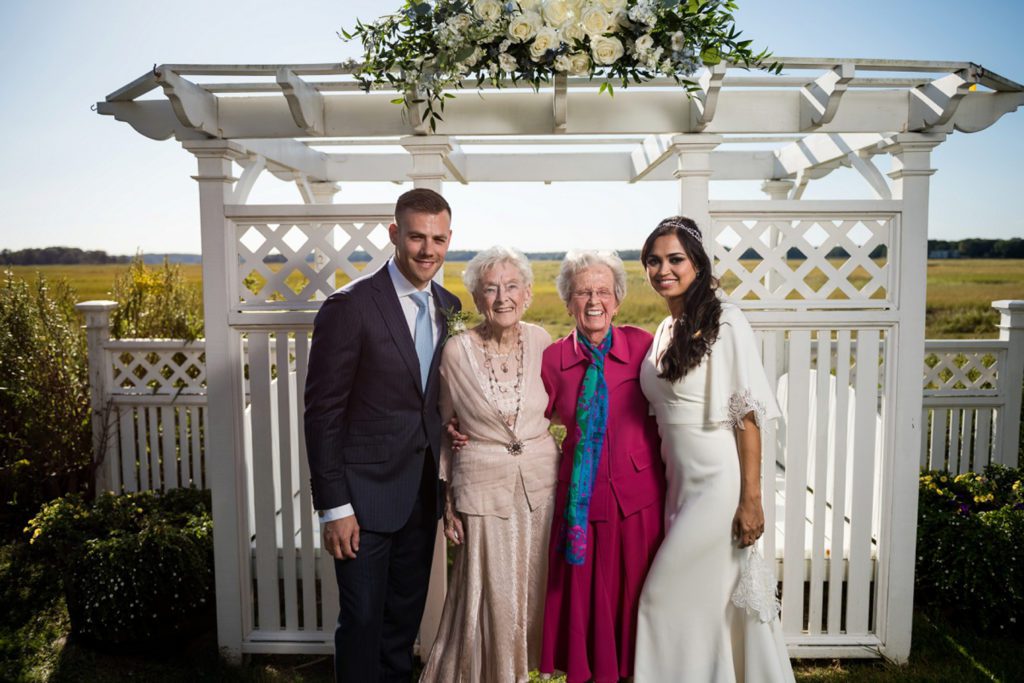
{"x":391,"y":310}
{"x":441,"y":323}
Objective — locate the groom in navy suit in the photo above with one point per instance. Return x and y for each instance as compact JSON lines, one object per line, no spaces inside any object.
{"x":373,"y":435}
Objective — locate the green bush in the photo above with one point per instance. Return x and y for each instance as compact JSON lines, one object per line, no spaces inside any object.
{"x":136,"y":568}
{"x":156,"y":302}
{"x":970,"y":545}
{"x":45,"y":438}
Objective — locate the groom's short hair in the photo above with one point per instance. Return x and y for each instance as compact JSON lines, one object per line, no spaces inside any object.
{"x":420,"y":200}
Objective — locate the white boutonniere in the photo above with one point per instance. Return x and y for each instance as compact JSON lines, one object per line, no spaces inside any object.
{"x":456,"y":321}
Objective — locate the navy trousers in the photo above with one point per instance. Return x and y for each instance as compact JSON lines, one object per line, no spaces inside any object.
{"x":382,"y":594}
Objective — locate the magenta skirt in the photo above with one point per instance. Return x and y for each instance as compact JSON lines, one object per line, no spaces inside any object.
{"x":590,"y":609}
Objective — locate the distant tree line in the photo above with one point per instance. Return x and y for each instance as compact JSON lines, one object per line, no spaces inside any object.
{"x":976,"y":247}
{"x":47,"y":256}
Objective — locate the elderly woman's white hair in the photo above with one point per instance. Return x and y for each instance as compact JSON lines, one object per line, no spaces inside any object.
{"x":579,"y":260}
{"x":488,"y":258}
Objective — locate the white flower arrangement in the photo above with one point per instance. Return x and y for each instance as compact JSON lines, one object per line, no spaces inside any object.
{"x":427,"y":48}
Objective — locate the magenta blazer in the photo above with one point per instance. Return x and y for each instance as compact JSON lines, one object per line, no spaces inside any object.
{"x":631,"y":473}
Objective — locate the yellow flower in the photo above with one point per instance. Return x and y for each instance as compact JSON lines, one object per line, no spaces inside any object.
{"x":943,"y":478}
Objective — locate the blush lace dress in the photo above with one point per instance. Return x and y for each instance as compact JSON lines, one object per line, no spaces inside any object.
{"x":491,"y":624}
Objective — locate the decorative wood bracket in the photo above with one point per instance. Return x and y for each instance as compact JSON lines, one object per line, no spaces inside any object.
{"x":560,"y":102}
{"x":455,"y":162}
{"x":650,"y":154}
{"x":820,"y":99}
{"x":705,"y":103}
{"x":195,"y":107}
{"x":252,"y":167}
{"x":932,"y":105}
{"x":305,"y":102}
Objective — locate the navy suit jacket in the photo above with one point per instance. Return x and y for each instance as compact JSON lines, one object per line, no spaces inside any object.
{"x":368,"y":423}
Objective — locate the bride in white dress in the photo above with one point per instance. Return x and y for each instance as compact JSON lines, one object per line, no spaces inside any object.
{"x":708,"y":611}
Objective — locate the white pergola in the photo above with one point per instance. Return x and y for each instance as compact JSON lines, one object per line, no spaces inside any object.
{"x":846,"y":353}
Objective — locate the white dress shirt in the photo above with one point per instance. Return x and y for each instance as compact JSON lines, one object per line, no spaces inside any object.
{"x":404,"y":289}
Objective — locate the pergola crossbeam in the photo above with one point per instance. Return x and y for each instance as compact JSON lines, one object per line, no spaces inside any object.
{"x":305,"y":102}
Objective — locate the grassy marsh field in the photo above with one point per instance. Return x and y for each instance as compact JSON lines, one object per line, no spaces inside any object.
{"x":960,"y":292}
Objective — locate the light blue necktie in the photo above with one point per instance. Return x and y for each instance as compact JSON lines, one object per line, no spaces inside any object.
{"x":424,"y":338}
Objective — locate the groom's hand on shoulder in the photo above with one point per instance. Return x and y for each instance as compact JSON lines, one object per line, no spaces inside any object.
{"x":341,"y":537}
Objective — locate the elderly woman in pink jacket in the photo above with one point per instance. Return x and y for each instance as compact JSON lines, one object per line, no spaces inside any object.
{"x":608,"y":516}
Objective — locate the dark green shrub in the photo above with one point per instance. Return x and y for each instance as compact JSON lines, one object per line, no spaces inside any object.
{"x":45,"y":433}
{"x":970,"y":545}
{"x":136,"y":568}
{"x":156,"y":302}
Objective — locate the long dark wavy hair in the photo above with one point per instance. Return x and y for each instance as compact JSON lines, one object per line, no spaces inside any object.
{"x":697,"y":328}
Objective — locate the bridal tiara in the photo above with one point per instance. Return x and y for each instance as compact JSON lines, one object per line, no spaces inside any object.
{"x":689,"y":229}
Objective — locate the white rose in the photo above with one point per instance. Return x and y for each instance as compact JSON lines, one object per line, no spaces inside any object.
{"x":611,"y":6}
{"x":678,"y":41}
{"x":524,"y":26}
{"x":488,"y":10}
{"x":507,"y":62}
{"x":504,"y":45}
{"x":644,"y":43}
{"x":556,"y":12}
{"x":529,"y":5}
{"x":620,"y":19}
{"x":546,"y":39}
{"x":595,"y":21}
{"x":572,"y":32}
{"x":579,"y":63}
{"x":606,"y":49}
{"x":563,"y":63}
{"x":459,"y":23}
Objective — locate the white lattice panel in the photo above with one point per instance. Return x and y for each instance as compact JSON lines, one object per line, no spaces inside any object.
{"x":962,"y":371}
{"x":292,"y":263}
{"x":821,"y":260}
{"x":158,"y":368}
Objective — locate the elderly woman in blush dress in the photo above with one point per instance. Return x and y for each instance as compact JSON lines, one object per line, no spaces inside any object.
{"x":611,"y":485}
{"x":499,"y":486}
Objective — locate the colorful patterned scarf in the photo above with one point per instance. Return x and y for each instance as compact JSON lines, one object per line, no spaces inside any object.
{"x":591,"y":422}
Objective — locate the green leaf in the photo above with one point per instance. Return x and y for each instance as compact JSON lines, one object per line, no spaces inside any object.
{"x":711,"y":56}
{"x":422,"y":9}
{"x":398,"y":100}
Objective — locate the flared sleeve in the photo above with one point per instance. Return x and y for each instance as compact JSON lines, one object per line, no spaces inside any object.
{"x":737,"y":383}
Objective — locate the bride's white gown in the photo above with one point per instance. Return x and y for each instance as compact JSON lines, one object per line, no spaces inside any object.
{"x":689,"y":630}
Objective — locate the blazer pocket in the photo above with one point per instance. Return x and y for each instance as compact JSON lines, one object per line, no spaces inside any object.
{"x":363,"y":454}
{"x":642,"y":458}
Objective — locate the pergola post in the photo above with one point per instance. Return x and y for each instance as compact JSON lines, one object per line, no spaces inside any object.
{"x":225,"y":462}
{"x":911,"y":169}
{"x":778,"y":189}
{"x":429,"y":153}
{"x":322,"y":192}
{"x":693,"y":171}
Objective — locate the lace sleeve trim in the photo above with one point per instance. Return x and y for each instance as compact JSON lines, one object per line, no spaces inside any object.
{"x":741,"y":404}
{"x":757,"y":589}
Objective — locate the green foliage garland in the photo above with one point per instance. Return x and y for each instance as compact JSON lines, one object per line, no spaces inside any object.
{"x":427,"y":48}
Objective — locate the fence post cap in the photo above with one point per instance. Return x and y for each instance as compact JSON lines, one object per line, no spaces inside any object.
{"x":97,"y":306}
{"x":1014,"y":305}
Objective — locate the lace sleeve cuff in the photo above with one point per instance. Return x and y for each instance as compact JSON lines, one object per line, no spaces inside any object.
{"x":741,"y":404}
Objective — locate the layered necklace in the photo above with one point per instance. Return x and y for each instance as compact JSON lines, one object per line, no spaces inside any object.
{"x":503,"y":391}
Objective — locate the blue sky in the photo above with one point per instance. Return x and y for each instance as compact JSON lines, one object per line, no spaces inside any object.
{"x":75,"y":178}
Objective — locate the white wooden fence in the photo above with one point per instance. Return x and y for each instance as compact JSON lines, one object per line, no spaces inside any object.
{"x":152,"y":395}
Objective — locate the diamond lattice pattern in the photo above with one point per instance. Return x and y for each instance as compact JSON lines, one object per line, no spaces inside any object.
{"x":961,"y":372}
{"x":159,"y":372}
{"x":289,"y":264}
{"x":820,"y":259}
